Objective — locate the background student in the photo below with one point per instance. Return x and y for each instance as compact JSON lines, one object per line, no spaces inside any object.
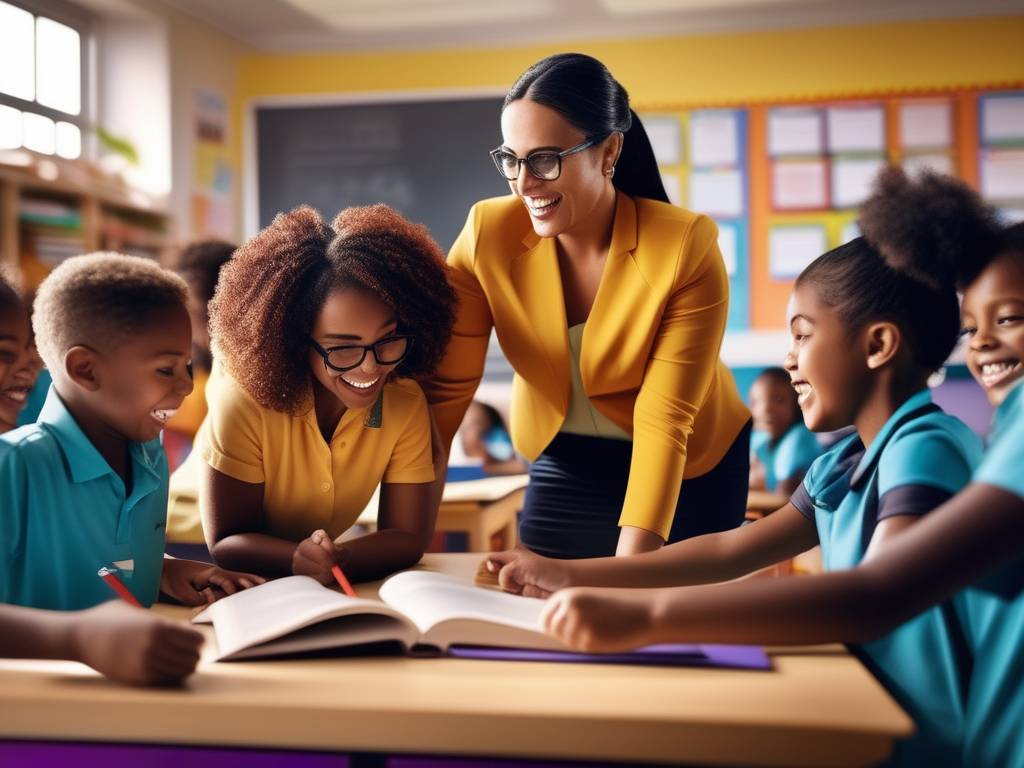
{"x":19,"y":361}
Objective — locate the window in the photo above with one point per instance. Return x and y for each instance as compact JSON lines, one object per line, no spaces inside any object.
{"x":42,"y":87}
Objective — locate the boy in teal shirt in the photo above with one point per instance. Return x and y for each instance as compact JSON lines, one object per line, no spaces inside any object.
{"x":86,"y":485}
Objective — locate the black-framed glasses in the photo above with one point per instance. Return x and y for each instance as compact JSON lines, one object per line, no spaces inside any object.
{"x":390,"y":350}
{"x":545,"y":164}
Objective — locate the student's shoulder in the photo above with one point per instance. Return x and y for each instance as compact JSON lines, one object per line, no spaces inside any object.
{"x":404,"y":396}
{"x":225,"y":393}
{"x":31,"y":444}
{"x":924,"y":439}
{"x":837,"y":462}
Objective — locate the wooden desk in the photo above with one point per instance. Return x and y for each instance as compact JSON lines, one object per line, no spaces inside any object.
{"x":765,"y":501}
{"x":478,"y":508}
{"x":818,"y":707}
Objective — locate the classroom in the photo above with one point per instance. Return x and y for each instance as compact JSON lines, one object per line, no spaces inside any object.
{"x":568,"y":383}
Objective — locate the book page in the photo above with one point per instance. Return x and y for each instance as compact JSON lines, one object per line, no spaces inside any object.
{"x":269,"y":611}
{"x":448,"y":611}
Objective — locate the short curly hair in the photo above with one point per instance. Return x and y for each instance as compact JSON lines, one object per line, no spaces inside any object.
{"x":269,"y":294}
{"x":200,"y":262}
{"x":98,"y":300}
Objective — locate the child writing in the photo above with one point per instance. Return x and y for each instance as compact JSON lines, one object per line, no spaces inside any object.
{"x":318,"y":332}
{"x":863,"y":358}
{"x":781,"y":447}
{"x":86,"y":485}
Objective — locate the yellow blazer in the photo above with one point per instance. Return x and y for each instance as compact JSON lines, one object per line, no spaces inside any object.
{"x":649,"y":359}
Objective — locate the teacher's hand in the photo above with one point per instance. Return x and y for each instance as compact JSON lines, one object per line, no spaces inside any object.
{"x":524,"y":573}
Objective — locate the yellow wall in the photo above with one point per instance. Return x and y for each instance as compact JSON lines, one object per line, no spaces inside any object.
{"x":690,"y":71}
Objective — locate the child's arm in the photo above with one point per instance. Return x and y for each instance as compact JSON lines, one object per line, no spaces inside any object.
{"x":124,"y":643}
{"x":232,"y":518}
{"x":957,"y":544}
{"x":712,"y":557}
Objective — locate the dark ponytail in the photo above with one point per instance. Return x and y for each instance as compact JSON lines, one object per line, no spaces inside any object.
{"x":922,"y":238}
{"x":581,"y":89}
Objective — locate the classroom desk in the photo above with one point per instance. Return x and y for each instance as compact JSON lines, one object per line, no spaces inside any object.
{"x":818,"y":707}
{"x":765,"y":501}
{"x":479,"y":508}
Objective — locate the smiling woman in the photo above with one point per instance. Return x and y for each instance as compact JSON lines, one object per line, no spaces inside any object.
{"x":317,"y":334}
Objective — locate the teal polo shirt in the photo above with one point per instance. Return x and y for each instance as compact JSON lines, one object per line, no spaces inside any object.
{"x":920,"y":458}
{"x":792,"y":455}
{"x":994,"y":614}
{"x":64,"y":514}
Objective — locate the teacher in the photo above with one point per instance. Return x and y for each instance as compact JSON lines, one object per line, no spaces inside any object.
{"x":610,"y":304}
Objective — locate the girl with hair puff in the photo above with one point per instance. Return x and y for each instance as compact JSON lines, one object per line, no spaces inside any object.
{"x":319,"y":334}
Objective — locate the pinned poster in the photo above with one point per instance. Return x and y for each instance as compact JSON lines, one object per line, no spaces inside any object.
{"x":914,"y":164}
{"x":792,"y":248}
{"x":714,"y":138}
{"x":672,"y":188}
{"x":728,"y":245}
{"x":1002,"y":174}
{"x":666,"y":139}
{"x":795,"y":131}
{"x":800,"y":185}
{"x":1002,"y":119}
{"x":856,"y":129}
{"x":852,"y":180}
{"x":717,"y":193}
{"x":926,"y":125}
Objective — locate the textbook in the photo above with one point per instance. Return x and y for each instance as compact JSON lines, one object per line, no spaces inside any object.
{"x":426,"y":613}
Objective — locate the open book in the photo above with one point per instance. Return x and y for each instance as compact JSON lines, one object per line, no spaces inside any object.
{"x":425,"y":612}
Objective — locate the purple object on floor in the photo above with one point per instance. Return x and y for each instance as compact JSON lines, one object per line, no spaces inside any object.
{"x":33,"y":754}
{"x":725,"y":656}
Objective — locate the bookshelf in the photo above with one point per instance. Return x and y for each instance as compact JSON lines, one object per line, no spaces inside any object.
{"x":51,"y":210}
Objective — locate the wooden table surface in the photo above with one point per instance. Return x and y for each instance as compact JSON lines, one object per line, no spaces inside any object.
{"x":817,"y":707}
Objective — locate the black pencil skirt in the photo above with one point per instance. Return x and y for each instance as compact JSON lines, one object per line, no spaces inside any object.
{"x":578,"y":485}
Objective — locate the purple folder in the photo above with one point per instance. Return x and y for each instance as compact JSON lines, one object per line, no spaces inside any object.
{"x":725,"y":656}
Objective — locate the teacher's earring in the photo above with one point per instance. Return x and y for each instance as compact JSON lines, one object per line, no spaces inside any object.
{"x":610,"y":171}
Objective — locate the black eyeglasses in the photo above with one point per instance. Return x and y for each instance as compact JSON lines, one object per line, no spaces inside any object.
{"x":390,"y":350}
{"x":545,"y":164}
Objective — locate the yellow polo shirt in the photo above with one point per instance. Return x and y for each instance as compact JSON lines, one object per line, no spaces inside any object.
{"x":309,"y":483}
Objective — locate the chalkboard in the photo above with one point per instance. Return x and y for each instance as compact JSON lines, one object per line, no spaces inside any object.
{"x":427,"y":159}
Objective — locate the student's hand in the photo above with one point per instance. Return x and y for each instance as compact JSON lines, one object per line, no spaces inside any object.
{"x":524,"y":573}
{"x":601,"y":620}
{"x":133,"y":646}
{"x":316,"y":556}
{"x":193,"y":583}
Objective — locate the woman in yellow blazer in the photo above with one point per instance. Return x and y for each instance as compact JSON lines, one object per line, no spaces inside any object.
{"x":610,"y":304}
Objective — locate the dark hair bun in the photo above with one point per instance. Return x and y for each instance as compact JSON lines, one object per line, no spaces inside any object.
{"x":934,"y":228}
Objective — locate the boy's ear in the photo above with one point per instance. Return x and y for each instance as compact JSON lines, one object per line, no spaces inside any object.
{"x":883,"y":342}
{"x":80,"y":367}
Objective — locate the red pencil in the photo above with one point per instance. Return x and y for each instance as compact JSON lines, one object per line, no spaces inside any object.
{"x":339,"y":577}
{"x":109,"y":575}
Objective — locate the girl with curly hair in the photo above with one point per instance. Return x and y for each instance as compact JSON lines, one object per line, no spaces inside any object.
{"x":870,"y":321}
{"x":319,"y":333}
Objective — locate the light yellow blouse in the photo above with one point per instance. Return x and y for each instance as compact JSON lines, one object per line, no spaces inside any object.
{"x":583,"y":418}
{"x":309,"y":483}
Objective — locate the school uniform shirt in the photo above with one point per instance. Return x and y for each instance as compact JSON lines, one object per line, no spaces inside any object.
{"x":308,"y":482}
{"x":994,"y":614}
{"x":65,"y":513}
{"x":792,"y":455}
{"x":648,"y":356}
{"x":920,"y":458}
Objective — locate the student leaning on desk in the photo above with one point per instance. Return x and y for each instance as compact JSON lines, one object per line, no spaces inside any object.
{"x":86,"y":485}
{"x":610,"y":304}
{"x":318,"y":332}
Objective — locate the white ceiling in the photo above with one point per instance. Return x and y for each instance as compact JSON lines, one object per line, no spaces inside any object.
{"x":339,"y":25}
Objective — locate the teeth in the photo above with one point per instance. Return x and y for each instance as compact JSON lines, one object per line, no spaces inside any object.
{"x":540,"y":204}
{"x":993,"y":368}
{"x":995,"y":373}
{"x":163,"y":414}
{"x":17,"y":394}
{"x":360,"y":384}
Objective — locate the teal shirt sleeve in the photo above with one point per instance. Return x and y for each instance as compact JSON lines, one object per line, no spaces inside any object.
{"x":1003,"y":465}
{"x":13,"y":488}
{"x":930,"y":456}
